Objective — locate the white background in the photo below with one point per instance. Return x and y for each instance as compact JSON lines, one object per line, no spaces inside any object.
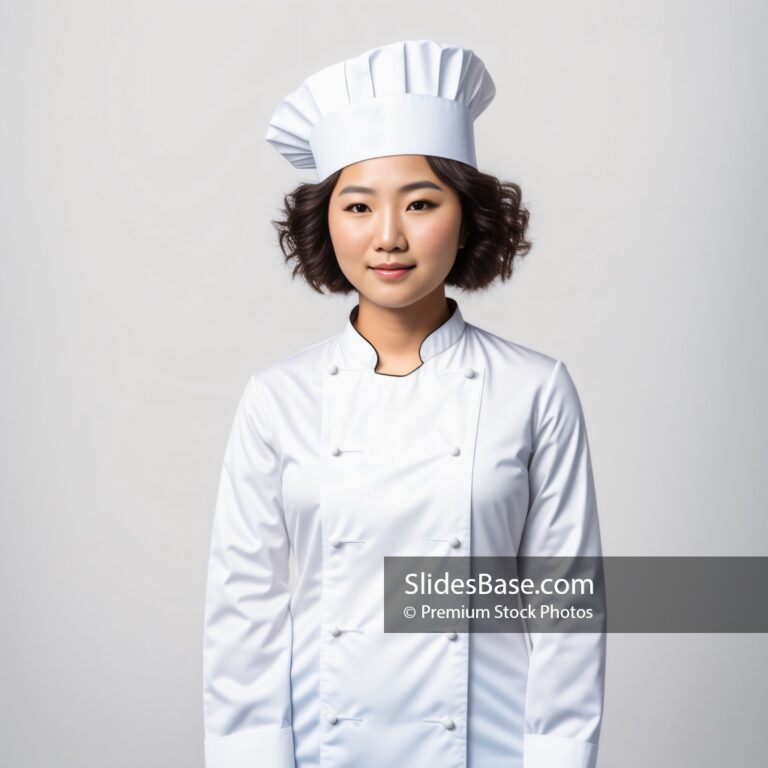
{"x":141,"y":283}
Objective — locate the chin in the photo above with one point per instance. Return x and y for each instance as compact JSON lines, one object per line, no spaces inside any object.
{"x":397,"y":298}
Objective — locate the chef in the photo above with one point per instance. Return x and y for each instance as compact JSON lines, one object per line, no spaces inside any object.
{"x":410,"y":432}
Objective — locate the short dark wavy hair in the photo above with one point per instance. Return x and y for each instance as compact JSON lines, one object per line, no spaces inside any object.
{"x":492,"y":213}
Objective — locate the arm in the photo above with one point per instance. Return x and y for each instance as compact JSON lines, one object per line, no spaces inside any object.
{"x":247,"y":629}
{"x":564,"y":699}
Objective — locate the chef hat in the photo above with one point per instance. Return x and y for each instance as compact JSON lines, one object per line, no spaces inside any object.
{"x":415,"y":97}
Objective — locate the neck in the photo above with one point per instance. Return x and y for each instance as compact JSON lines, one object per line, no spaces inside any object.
{"x":398,"y":332}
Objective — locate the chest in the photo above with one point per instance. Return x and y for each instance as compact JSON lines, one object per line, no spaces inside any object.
{"x":413,"y":461}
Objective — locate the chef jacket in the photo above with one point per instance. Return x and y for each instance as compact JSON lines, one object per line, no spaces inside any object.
{"x":480,"y":450}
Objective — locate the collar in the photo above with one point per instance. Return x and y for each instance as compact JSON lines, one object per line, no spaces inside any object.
{"x":443,"y":337}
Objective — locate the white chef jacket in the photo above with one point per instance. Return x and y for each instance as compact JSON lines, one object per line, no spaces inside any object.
{"x":481,"y":450}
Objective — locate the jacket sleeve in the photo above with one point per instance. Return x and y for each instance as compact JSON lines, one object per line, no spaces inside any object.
{"x":247,"y":635}
{"x":566,"y":678}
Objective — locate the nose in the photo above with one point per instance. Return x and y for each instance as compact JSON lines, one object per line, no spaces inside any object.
{"x":390,"y":235}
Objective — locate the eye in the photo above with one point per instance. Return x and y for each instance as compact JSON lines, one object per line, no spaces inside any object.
{"x":426,"y":203}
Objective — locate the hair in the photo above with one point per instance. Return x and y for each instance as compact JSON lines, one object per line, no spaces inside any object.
{"x":493,"y":218}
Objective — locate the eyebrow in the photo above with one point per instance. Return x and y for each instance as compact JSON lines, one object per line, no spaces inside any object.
{"x":406,"y":188}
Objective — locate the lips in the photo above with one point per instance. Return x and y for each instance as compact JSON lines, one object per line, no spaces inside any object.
{"x":392,"y":271}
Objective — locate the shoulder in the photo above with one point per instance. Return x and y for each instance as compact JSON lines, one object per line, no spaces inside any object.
{"x":292,"y":376}
{"x":503,"y":355}
{"x":279,"y":391}
{"x":540,"y":378}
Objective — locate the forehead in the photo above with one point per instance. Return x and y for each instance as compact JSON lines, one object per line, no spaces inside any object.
{"x":387,"y":171}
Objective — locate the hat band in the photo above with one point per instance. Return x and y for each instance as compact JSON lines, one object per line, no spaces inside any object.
{"x":397,"y":124}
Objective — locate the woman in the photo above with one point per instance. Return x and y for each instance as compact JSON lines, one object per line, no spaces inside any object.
{"x":411,"y":432}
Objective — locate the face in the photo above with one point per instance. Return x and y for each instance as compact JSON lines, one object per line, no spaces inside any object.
{"x":389,"y":210}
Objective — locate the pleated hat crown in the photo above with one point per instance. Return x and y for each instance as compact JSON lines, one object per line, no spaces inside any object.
{"x":414,"y":97}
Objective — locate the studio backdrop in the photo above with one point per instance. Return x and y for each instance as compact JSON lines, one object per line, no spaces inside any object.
{"x":142,"y":285}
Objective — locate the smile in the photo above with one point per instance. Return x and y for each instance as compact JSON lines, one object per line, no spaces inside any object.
{"x":392,"y":273}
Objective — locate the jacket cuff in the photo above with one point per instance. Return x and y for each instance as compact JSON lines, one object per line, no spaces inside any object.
{"x":542,"y":751}
{"x":246,"y":749}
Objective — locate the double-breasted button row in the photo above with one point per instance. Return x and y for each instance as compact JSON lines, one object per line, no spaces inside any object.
{"x":454,"y":450}
{"x":447,"y":722}
{"x":454,"y":542}
{"x":469,"y":373}
{"x":336,"y":631}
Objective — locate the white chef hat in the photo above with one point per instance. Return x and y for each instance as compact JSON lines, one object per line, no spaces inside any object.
{"x":414,"y":97}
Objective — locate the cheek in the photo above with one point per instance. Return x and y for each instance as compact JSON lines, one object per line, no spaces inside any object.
{"x":350,"y":244}
{"x":437,"y":237}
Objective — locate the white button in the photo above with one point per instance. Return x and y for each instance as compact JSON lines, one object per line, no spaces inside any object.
{"x":335,"y":451}
{"x":455,"y":450}
{"x":335,"y":631}
{"x":335,"y":543}
{"x":451,"y":635}
{"x":448,"y":724}
{"x":332,"y":718}
{"x":455,"y":542}
{"x":469,"y":372}
{"x":333,"y":370}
